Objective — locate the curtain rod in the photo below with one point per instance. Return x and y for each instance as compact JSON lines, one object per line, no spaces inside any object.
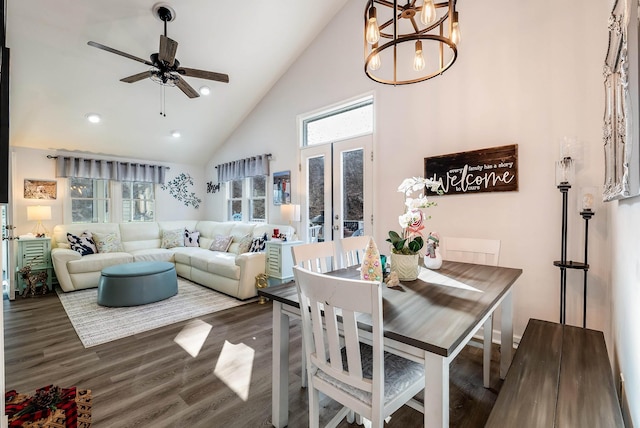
{"x":134,"y":163}
{"x":250,"y":157}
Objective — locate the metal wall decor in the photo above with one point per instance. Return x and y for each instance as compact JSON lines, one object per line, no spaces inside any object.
{"x":178,"y":189}
{"x":409,"y":42}
{"x":620,"y":136}
{"x":213,"y":188}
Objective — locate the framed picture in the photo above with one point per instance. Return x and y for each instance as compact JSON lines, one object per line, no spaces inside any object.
{"x":40,"y":189}
{"x":620,"y":136}
{"x":281,"y":187}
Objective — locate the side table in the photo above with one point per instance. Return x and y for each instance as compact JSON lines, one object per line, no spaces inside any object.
{"x":280,"y":260}
{"x":35,"y":253}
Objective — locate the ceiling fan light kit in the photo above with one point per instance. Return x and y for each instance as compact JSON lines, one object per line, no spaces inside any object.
{"x":164,"y":68}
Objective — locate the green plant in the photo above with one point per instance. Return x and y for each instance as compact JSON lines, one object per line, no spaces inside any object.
{"x":401,"y":246}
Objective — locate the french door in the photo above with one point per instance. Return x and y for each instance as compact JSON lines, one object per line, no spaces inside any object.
{"x":337,"y":188}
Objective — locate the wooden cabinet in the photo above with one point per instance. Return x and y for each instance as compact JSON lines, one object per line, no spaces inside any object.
{"x":35,"y":253}
{"x":280,"y":258}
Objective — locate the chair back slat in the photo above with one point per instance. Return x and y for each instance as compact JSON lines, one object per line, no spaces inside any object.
{"x":316,"y":257}
{"x":471,"y":250}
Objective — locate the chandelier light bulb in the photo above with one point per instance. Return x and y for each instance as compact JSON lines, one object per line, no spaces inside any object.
{"x":418,"y":60}
{"x":455,"y":29}
{"x":375,"y":63}
{"x":428,"y":12}
{"x":372,"y":32}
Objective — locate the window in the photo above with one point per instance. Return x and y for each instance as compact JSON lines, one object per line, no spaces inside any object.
{"x":138,"y":201}
{"x":235,"y":199}
{"x":258,"y":198}
{"x":89,"y":200}
{"x":339,"y":123}
{"x":253,"y":206}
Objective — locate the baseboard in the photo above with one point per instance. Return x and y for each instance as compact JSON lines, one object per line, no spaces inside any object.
{"x":495,"y":338}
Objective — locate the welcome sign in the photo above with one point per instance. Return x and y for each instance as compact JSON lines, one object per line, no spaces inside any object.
{"x":487,"y":170}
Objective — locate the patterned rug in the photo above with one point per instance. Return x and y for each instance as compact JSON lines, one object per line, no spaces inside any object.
{"x":96,"y":324}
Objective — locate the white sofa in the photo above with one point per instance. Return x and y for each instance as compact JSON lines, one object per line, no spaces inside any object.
{"x":227,"y":272}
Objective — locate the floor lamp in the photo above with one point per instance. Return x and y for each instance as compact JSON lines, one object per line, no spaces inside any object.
{"x":39,"y":213}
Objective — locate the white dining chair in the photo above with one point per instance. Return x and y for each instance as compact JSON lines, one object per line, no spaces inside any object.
{"x":316,"y":256}
{"x":482,"y":252}
{"x":363,"y":378}
{"x":352,"y":250}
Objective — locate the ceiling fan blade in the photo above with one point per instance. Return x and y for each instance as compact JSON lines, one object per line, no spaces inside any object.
{"x":136,"y":77}
{"x":168,"y":48}
{"x":202,"y":74}
{"x":185,"y":87}
{"x":117,"y":52}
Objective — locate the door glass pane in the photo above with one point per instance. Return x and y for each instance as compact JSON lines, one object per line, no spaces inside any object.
{"x":316,"y":202}
{"x":353,"y":192}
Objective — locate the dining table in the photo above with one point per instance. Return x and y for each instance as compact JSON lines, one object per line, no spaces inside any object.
{"x":428,"y":320}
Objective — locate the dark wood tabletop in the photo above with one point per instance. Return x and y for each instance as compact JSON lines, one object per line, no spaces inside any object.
{"x":430,"y":315}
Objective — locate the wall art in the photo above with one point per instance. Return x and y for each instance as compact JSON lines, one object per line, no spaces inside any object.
{"x":487,"y":170}
{"x":40,"y":189}
{"x":281,"y":187}
{"x":178,"y":189}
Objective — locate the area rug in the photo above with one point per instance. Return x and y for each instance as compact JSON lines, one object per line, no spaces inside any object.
{"x":96,"y":324}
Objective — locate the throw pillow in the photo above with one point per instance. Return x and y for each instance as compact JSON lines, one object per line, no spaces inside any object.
{"x":244,"y":244}
{"x":191,"y":238}
{"x":221,"y":243}
{"x":83,"y":244}
{"x":258,"y":244}
{"x":108,"y":242}
{"x":172,"y":238}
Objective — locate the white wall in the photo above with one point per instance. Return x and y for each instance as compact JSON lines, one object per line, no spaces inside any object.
{"x":626,"y":298}
{"x":530,"y":77}
{"x":33,"y":164}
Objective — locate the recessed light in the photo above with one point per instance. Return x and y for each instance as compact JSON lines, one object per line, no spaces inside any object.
{"x":205,"y":90}
{"x":175,"y":134}
{"x":93,"y":117}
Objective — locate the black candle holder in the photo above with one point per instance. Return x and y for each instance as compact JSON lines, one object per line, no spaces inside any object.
{"x":565,"y":264}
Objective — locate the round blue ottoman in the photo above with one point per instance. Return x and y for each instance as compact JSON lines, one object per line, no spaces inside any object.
{"x":137,"y":283}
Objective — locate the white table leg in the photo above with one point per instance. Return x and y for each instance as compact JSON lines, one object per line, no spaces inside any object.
{"x":506,"y":334}
{"x":280,"y":379}
{"x":436,"y":391}
{"x":486,"y":352}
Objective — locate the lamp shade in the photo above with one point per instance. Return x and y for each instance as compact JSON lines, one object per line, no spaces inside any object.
{"x":38,"y":213}
{"x":291,"y":212}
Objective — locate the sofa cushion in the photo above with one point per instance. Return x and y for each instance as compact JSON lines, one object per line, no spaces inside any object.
{"x":183,"y":254}
{"x":83,"y":244}
{"x":219,"y":263}
{"x":107,"y":242}
{"x":220,"y":243}
{"x":191,"y":238}
{"x":97,"y":262}
{"x":153,"y":255}
{"x":172,"y":238}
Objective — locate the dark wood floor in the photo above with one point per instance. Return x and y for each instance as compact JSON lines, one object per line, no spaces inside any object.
{"x":149,"y":381}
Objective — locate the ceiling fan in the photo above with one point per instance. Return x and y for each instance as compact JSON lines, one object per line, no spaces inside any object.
{"x":165,"y":68}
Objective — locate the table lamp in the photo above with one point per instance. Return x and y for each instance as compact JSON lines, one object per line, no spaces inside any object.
{"x":39,"y":213}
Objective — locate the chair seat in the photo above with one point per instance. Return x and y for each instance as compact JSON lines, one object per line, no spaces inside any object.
{"x":399,"y":374}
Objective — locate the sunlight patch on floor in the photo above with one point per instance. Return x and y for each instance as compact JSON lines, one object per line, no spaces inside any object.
{"x":192,"y":337}
{"x":234,"y":367}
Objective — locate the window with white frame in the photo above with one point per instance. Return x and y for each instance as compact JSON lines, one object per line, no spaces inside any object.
{"x":138,"y":201}
{"x":258,"y":198}
{"x":234,"y":199}
{"x":247,"y":199}
{"x":338,"y":123}
{"x":90,"y":200}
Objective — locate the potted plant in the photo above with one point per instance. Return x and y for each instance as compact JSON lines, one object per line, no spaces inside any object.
{"x":406,"y":246}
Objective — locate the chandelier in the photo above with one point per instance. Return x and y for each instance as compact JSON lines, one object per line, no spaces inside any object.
{"x":409,"y":43}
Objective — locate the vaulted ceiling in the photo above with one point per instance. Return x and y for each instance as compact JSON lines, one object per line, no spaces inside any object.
{"x":56,"y":78}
